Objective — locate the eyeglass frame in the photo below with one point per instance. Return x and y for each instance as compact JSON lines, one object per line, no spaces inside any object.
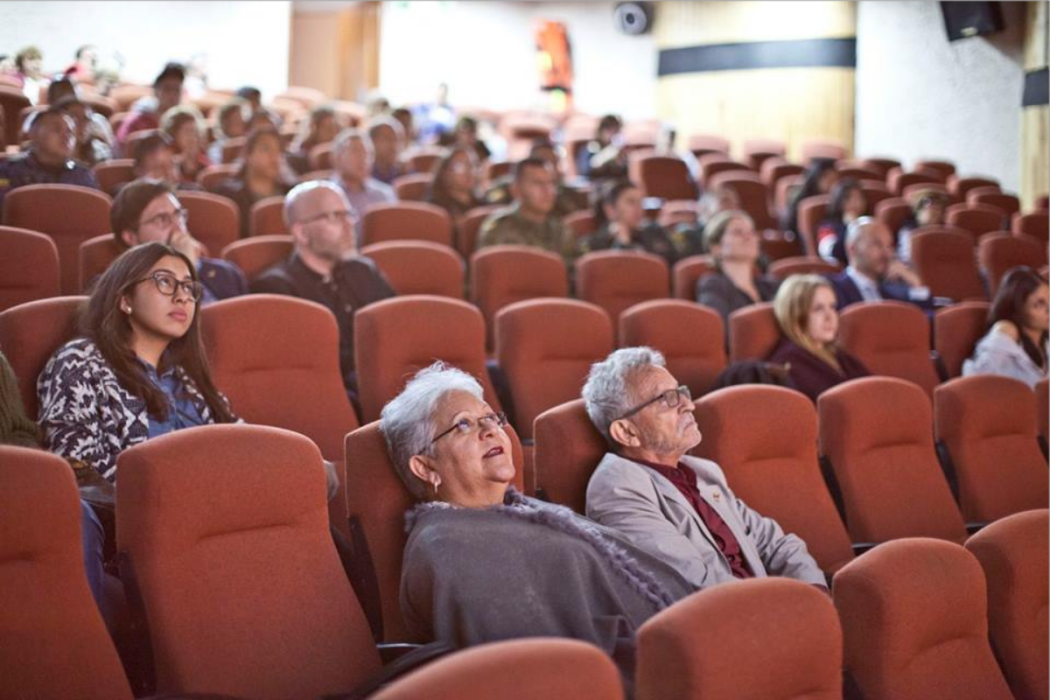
{"x":500,"y":416}
{"x":681,"y":391}
{"x":182,"y":214}
{"x":346,"y":215}
{"x":194,"y":288}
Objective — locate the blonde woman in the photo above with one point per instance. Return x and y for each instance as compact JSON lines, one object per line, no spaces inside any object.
{"x":806,"y":312}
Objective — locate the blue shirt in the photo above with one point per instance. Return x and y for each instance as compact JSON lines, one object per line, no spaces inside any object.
{"x":27,"y":170}
{"x":182,"y":413}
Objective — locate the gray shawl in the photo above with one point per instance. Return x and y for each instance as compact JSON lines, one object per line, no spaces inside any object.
{"x":528,"y":569}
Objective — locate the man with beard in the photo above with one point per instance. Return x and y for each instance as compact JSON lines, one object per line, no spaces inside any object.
{"x":676,"y":507}
{"x":325,"y":267}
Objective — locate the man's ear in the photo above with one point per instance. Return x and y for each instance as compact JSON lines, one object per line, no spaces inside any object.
{"x":298,"y":233}
{"x":130,"y":238}
{"x":624,"y":433}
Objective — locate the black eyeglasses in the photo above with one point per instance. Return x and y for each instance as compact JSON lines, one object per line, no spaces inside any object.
{"x":671,"y":398}
{"x":167,"y":219}
{"x":465,"y":426}
{"x":168,"y":285}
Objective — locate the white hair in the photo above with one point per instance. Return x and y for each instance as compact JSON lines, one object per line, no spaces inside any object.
{"x":606,"y":394}
{"x":856,"y":229}
{"x":305,"y":188}
{"x":344,"y":137}
{"x":407,"y":422}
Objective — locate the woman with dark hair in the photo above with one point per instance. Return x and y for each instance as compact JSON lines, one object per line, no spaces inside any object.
{"x":819,"y":178}
{"x":622,"y":226}
{"x":806,"y":313}
{"x":848,"y":204}
{"x":1016,"y":342}
{"x":730,"y":238}
{"x":137,"y":371}
{"x":260,"y":176}
{"x":455,"y":181}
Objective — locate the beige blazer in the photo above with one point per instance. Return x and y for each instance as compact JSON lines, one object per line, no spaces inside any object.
{"x":651,"y":512}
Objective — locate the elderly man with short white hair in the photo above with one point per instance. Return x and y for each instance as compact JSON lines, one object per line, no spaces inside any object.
{"x":676,"y":507}
{"x":352,"y":157}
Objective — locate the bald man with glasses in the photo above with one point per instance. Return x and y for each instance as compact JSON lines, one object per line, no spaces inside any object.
{"x":325,"y":266}
{"x":676,"y":507}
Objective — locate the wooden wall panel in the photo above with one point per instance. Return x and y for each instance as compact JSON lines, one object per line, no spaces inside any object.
{"x":1035,"y":120}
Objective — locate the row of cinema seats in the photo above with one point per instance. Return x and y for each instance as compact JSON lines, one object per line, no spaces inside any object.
{"x":76,"y":219}
{"x":241,"y":592}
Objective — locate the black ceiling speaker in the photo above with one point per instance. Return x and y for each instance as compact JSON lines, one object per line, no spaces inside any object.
{"x":966,"y":19}
{"x":634,"y":18}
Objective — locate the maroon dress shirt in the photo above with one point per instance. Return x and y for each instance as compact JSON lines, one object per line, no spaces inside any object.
{"x":684,"y":479}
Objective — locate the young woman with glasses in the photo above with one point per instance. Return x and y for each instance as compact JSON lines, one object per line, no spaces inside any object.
{"x":137,"y":371}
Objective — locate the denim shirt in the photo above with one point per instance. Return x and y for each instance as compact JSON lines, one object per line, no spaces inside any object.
{"x":182,"y":413}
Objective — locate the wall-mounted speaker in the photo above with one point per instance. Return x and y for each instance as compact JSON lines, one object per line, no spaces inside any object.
{"x":967,"y":19}
{"x":634,"y":18}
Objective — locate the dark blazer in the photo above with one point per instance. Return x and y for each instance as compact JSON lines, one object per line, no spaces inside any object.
{"x":717,"y":291}
{"x":846,"y":292}
{"x":812,"y":375}
{"x":221,"y":279}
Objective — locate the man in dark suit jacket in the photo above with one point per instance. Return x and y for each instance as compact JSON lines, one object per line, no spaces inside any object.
{"x":147,"y":211}
{"x":874,"y":273}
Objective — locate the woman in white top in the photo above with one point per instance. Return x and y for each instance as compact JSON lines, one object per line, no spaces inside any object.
{"x":1016,"y":342}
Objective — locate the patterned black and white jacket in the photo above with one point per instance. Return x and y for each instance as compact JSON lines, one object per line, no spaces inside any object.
{"x":85,"y":413}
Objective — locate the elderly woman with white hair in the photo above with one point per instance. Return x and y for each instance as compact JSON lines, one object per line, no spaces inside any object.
{"x":677,"y":507}
{"x":483,"y":562}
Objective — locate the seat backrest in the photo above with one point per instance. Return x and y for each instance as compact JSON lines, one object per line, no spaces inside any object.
{"x":876,"y":433}
{"x":961,"y":186}
{"x":687,"y":272}
{"x":211,"y":177}
{"x":665,"y":176}
{"x":998,"y":252}
{"x":521,"y":669}
{"x":702,"y":144}
{"x":377,"y":500}
{"x":753,"y":332}
{"x":12,"y":102}
{"x":789,"y":648}
{"x":1035,"y":224}
{"x":1013,"y":555}
{"x":257,"y":254}
{"x":413,"y":187}
{"x":281,"y":621}
{"x":69,"y":214}
{"x":419,"y":267}
{"x":469,"y":226}
{"x":403,"y":221}
{"x":765,"y":440}
{"x":891,"y":338}
{"x":825,"y":149}
{"x":914,"y":625}
{"x":956,"y":330}
{"x":945,"y":262}
{"x":690,"y":336}
{"x":987,"y":424}
{"x":1008,"y":203}
{"x":581,"y":223}
{"x":617,"y":280}
{"x":214,"y":220}
{"x":1042,"y":407}
{"x":395,"y":338}
{"x":893,"y":212}
{"x":277,"y":360}
{"x":978,"y":219}
{"x":802,"y":265}
{"x":568,"y":449}
{"x":883,"y":165}
{"x":812,"y":211}
{"x":753,"y":194}
{"x":29,"y":335}
{"x":943,"y":167}
{"x":502,"y":275}
{"x":546,"y":347}
{"x":267,"y":218}
{"x":53,"y":642}
{"x":29,"y":268}
{"x":111,"y":174}
{"x":898,"y":179}
{"x":96,"y":255}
